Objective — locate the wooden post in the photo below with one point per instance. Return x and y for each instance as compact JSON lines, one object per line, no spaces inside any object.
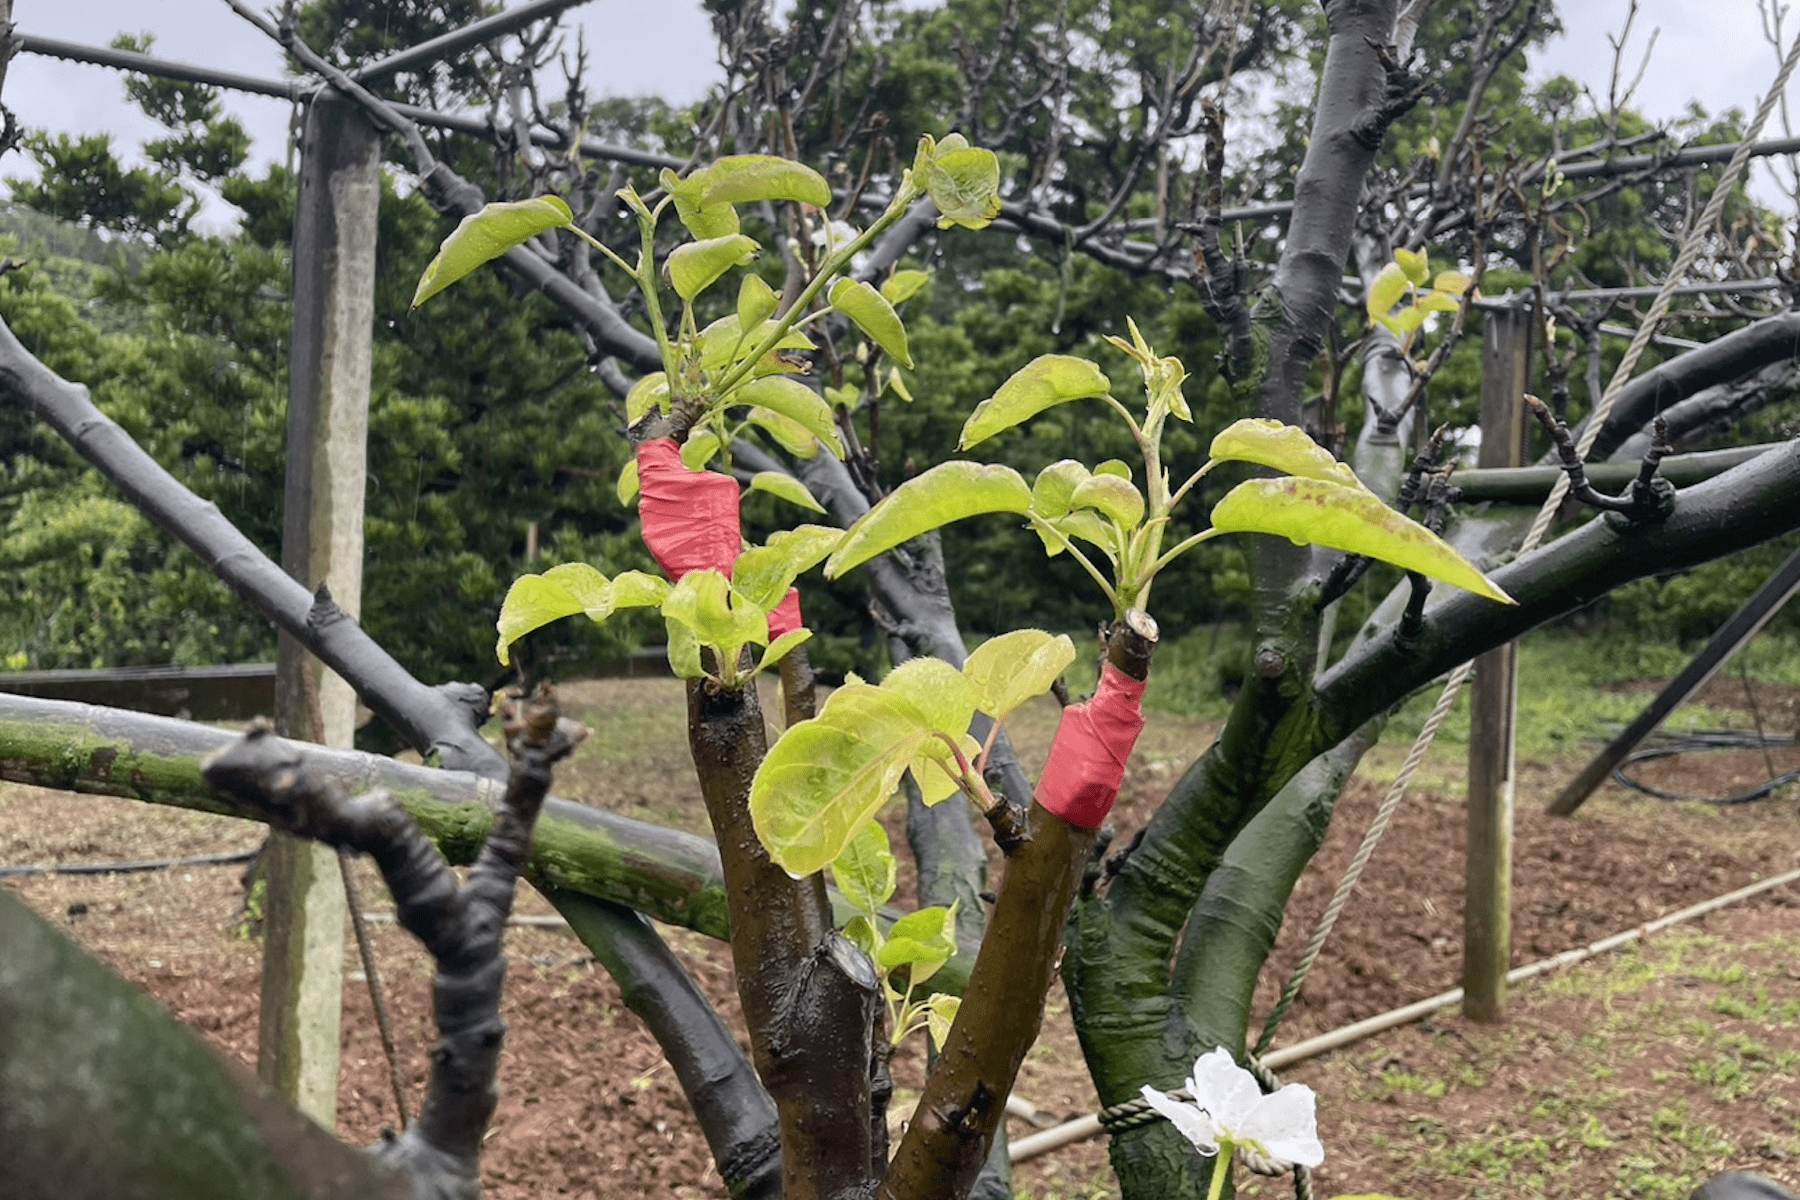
{"x":328,"y":419}
{"x":1487,"y":896}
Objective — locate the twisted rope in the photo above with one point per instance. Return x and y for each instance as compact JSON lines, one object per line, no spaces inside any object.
{"x":1659,"y":309}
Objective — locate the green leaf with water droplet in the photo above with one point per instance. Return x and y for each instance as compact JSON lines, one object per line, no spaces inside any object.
{"x":866,"y":872}
{"x":1008,"y":670}
{"x":763,"y":574}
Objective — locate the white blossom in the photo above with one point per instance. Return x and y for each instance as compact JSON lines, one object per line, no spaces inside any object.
{"x":1229,"y":1108}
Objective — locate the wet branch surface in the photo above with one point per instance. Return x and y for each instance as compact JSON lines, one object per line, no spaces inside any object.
{"x":462,"y":926}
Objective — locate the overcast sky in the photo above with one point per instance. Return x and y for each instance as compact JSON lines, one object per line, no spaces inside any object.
{"x":1712,"y":51}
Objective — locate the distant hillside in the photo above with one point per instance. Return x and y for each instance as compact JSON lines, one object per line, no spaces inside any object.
{"x":73,"y":259}
{"x":41,"y":236}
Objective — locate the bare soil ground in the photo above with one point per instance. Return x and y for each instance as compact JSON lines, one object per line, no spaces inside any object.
{"x":1632,"y":1076}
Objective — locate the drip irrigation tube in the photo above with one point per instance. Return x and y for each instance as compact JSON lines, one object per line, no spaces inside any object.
{"x":131,"y":868}
{"x":1083,"y":1128}
{"x":1671,"y":745}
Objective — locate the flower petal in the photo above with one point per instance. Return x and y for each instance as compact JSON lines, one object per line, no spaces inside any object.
{"x":1193,"y":1124}
{"x":1285,"y":1127}
{"x":1224,"y":1089}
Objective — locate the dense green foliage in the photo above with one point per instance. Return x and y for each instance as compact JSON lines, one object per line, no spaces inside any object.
{"x":473,"y":437}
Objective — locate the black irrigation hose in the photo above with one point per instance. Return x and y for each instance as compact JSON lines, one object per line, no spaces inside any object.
{"x":1670,"y":745}
{"x":131,"y":868}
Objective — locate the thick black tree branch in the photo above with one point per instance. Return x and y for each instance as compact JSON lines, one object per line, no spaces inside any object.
{"x":1769,"y":341}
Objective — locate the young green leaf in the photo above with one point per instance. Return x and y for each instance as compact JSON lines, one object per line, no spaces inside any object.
{"x":785,"y":487}
{"x":699,"y":449}
{"x":1415,"y":264}
{"x":701,"y":219}
{"x":778,"y":649}
{"x":865,"y":935}
{"x":724,"y":343}
{"x":938,"y":690}
{"x":627,"y":487}
{"x":704,"y":603}
{"x":795,"y":401}
{"x":763,"y":574}
{"x":920,"y":941}
{"x":902,"y":286}
{"x":1438,"y":302}
{"x":936,"y":770}
{"x":964,"y":183}
{"x":1322,"y":513}
{"x":684,"y":651}
{"x":752,"y":178}
{"x":940,"y":1013}
{"x":1284,"y":448}
{"x":1406,"y":322}
{"x":1042,"y":383}
{"x":827,"y":777}
{"x":873,"y":315}
{"x":634,"y":589}
{"x":695,"y":266}
{"x":1086,"y":525}
{"x":1055,"y":484}
{"x":652,"y":391}
{"x":486,"y":235}
{"x":534,"y":601}
{"x":788,"y":433}
{"x":1454,"y":282}
{"x":757,"y":302}
{"x":1389,"y":286}
{"x":1116,"y":498}
{"x":947,"y":492}
{"x":1008,"y":670}
{"x":866,"y":872}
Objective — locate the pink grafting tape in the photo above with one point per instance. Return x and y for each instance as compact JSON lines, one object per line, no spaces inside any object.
{"x":1087,"y":760}
{"x":786,"y":617}
{"x":691,"y":522}
{"x":690,"y":517}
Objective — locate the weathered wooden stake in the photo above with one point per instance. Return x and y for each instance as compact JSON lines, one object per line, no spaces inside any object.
{"x":328,"y":420}
{"x":1487,"y":896}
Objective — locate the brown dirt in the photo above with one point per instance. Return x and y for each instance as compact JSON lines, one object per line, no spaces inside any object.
{"x":589,"y":1108}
